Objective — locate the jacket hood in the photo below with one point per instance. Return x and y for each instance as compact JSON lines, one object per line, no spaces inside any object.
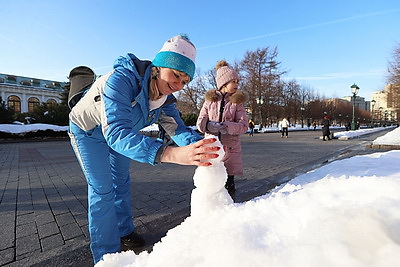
{"x":214,"y":95}
{"x":127,"y":62}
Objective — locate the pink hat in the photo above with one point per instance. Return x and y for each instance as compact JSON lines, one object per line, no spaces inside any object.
{"x":225,"y":74}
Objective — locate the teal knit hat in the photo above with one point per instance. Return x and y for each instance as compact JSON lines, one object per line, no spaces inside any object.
{"x":177,"y":53}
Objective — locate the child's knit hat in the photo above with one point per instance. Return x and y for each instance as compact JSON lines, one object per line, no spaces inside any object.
{"x":225,"y":74}
{"x":177,"y":53}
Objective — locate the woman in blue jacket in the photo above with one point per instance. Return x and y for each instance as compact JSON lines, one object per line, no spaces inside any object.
{"x":104,"y":132}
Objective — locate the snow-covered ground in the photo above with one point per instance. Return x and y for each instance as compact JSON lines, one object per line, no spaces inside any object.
{"x":391,"y":138}
{"x":351,"y":134}
{"x":19,"y":128}
{"x":23,"y":128}
{"x":346,"y":213}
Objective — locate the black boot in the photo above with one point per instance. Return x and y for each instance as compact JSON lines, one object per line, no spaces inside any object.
{"x":131,"y":241}
{"x":230,"y":186}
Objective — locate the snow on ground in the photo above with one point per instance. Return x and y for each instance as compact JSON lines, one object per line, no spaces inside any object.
{"x":345,"y":213}
{"x":360,"y":132}
{"x":18,"y":128}
{"x":391,"y":138}
{"x":23,"y":128}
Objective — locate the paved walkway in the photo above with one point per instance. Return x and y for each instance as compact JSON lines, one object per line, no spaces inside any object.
{"x":43,"y":199}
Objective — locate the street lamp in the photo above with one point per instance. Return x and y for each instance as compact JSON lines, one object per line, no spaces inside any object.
{"x":354,"y":90}
{"x":380,"y":116}
{"x":302,"y":116}
{"x":386,"y":117}
{"x":260,"y":101}
{"x":373,"y":102}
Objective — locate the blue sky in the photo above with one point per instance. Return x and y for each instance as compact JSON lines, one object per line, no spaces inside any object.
{"x":325,"y":45}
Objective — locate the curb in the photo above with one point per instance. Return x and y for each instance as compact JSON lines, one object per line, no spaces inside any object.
{"x":391,"y":147}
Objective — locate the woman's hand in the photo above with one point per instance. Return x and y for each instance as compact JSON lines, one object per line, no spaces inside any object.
{"x":194,"y":154}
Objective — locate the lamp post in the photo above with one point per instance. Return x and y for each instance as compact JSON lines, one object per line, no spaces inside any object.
{"x":354,"y":90}
{"x":260,"y":101}
{"x":386,"y":117}
{"x":380,"y":116}
{"x":373,"y":102}
{"x":302,"y":116}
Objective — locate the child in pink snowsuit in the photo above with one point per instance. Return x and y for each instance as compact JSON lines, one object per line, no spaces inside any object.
{"x":223,"y":114}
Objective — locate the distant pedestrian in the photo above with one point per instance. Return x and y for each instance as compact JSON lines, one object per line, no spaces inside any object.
{"x":251,"y":127}
{"x":325,"y":128}
{"x":314,"y":125}
{"x":285,"y":127}
{"x":348,"y":126}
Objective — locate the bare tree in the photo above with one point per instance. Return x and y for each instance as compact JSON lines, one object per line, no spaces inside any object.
{"x":190,"y":98}
{"x":393,"y":79}
{"x":394,"y":67}
{"x":211,"y":78}
{"x":292,"y":100}
{"x":261,"y":74}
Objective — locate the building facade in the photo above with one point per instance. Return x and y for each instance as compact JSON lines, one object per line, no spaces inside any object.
{"x":386,"y":105}
{"x":359,"y":102}
{"x":24,"y":93}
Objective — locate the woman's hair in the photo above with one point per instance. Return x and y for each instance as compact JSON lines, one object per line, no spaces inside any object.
{"x":153,"y":90}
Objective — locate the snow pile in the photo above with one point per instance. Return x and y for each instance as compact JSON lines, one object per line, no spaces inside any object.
{"x":343,"y":214}
{"x":17,"y":129}
{"x":360,"y":132}
{"x":391,"y":138}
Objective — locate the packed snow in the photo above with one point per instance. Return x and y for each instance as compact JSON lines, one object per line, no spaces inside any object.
{"x":345,"y":213}
{"x":391,"y":138}
{"x":209,"y":193}
{"x":360,"y":132}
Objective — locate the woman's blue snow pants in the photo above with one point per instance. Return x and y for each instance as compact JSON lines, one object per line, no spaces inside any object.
{"x":109,"y":196}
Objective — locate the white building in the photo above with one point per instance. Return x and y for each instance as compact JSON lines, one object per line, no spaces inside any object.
{"x":383,"y":109}
{"x":24,"y":93}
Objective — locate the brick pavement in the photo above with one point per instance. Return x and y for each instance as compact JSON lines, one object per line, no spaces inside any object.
{"x":43,"y":199}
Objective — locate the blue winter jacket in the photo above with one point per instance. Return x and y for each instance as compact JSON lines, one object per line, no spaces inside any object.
{"x":119,"y":103}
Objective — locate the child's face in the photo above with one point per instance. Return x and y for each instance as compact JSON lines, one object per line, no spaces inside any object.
{"x":171,"y":80}
{"x":231,"y":87}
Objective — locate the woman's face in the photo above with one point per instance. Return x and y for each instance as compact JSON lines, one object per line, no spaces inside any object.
{"x":231,"y":87}
{"x":170,"y":80}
